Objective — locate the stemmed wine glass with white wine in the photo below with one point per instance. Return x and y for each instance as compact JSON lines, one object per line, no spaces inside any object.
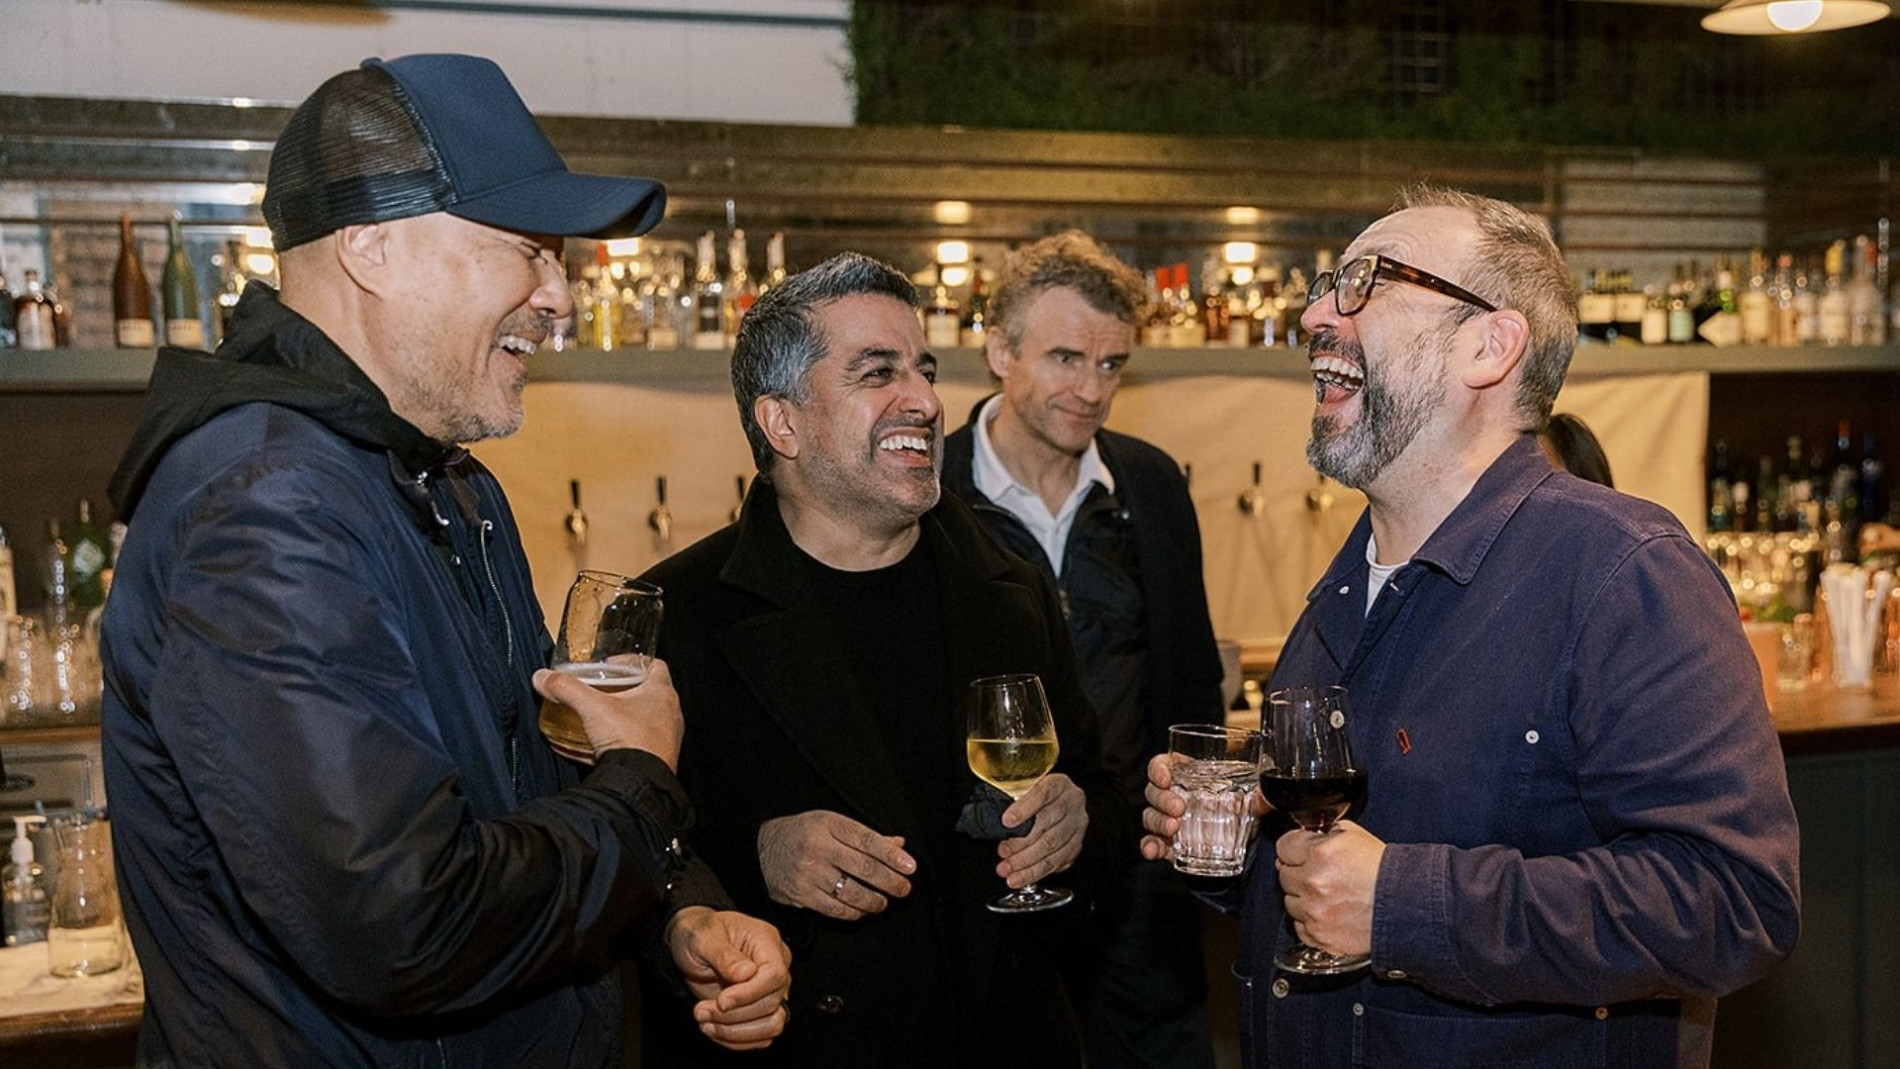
{"x":1012,"y":745}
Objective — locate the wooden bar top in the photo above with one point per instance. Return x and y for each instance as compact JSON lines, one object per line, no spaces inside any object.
{"x":1824,"y":718}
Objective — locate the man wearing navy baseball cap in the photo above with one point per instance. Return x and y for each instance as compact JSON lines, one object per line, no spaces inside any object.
{"x":341,"y":839}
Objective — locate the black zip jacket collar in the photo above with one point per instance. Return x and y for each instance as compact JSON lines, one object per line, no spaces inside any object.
{"x":275,"y":355}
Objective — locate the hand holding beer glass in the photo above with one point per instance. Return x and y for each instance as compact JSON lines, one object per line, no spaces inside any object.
{"x":608,"y":632}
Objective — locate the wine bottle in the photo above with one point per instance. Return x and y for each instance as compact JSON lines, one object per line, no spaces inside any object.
{"x":183,"y":327}
{"x":131,"y":294}
{"x":87,"y":552}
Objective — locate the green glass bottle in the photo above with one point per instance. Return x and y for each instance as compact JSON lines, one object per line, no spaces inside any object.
{"x":183,"y":326}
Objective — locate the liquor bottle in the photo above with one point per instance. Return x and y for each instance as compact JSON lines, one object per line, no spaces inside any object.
{"x":1807,"y":303}
{"x":775,"y":263}
{"x":635,"y":315}
{"x":1873,"y":488}
{"x":740,"y":292}
{"x":33,"y":316}
{"x":1718,"y":322}
{"x":1799,"y":494}
{"x":664,"y":333}
{"x":9,"y":594}
{"x":56,"y":576}
{"x":976,"y":313}
{"x":1243,"y":329}
{"x":62,"y":318}
{"x":232,"y":279}
{"x":605,"y":301}
{"x":1755,"y":304}
{"x":1781,"y":287}
{"x":1868,"y":325}
{"x":1186,"y":328}
{"x":1836,"y":321}
{"x":1293,"y":297}
{"x":131,"y":294}
{"x":1843,"y":484}
{"x":585,"y":312}
{"x":1765,"y":488}
{"x":1596,"y":309}
{"x":943,"y":320}
{"x":1655,"y":326}
{"x":709,"y":298}
{"x":1213,"y":302}
{"x":7,"y":337}
{"x":1154,"y":330}
{"x":87,"y":553}
{"x":179,"y":286}
{"x":1681,"y":312}
{"x":1629,"y":306}
{"x":1721,"y":504}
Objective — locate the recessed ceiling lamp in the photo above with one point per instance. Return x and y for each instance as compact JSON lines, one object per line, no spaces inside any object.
{"x":1793,"y":16}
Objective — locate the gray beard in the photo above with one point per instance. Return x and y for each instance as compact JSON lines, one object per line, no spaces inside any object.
{"x":1388,"y":421}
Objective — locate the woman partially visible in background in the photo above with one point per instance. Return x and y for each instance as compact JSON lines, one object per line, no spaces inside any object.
{"x":1568,"y":443}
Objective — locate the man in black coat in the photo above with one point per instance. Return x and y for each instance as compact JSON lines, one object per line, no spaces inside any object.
{"x":1107,"y":518}
{"x":823,"y":647}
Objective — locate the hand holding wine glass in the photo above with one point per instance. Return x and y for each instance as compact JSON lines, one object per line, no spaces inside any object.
{"x":1011,"y":745}
{"x":1310,"y":775}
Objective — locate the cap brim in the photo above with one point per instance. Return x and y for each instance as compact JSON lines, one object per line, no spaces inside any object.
{"x":571,"y":205}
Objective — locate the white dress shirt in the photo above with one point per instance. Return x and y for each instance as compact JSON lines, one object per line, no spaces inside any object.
{"x":1051,"y":530}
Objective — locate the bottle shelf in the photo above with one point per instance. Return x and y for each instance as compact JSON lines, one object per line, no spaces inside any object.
{"x":129,"y":370}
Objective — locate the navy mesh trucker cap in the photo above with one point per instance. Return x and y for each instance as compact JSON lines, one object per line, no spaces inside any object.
{"x":436,"y":133}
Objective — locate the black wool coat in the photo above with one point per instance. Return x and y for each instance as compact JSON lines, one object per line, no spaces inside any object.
{"x":775,"y":726}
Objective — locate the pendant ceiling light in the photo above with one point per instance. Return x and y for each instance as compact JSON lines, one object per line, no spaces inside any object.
{"x":1793,"y":16}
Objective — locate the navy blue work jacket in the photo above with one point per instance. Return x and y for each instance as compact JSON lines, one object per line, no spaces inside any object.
{"x":1572,"y":763}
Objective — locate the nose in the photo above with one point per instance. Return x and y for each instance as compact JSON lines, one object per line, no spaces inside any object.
{"x":920,"y":398}
{"x":551,"y":297}
{"x":1091,"y":385}
{"x":1322,"y":314}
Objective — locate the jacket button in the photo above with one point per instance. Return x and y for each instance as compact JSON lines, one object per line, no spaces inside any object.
{"x":1603,"y":1013}
{"x":1280,"y":988}
{"x":831,"y":1004}
{"x":1358,"y":1009}
{"x":1395,"y":974}
{"x":1531,"y":737}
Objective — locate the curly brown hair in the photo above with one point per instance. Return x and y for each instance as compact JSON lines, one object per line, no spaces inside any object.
{"x":1073,"y":259}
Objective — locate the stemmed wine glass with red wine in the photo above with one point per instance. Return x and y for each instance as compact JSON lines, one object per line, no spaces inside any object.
{"x":1311,"y":777}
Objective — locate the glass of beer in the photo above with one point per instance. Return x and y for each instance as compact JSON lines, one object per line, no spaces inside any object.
{"x":1215,"y":769}
{"x":1011,"y":745}
{"x":608,"y":631}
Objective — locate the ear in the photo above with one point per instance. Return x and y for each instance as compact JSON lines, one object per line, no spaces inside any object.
{"x":996,"y":350}
{"x":774,"y":415}
{"x":1505,"y":336}
{"x":364,"y":252}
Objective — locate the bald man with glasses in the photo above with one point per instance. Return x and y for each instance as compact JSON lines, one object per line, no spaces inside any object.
{"x":1577,"y":833}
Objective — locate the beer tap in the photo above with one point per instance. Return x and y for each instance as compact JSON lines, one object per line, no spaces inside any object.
{"x":1253,"y":501}
{"x":1320,"y":498}
{"x":661,"y":519}
{"x":733,"y":516}
{"x":576,"y":526}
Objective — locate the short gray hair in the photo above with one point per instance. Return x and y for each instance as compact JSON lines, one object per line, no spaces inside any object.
{"x":779,"y":339}
{"x":1515,"y":264}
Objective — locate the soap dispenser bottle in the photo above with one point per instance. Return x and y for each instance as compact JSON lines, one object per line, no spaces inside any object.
{"x":23,"y":885}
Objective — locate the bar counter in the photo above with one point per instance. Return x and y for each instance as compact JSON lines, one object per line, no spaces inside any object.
{"x":1820,"y":1010}
{"x":1824,"y":719}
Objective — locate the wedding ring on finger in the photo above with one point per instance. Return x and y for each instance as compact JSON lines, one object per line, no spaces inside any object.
{"x":837,"y":888}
